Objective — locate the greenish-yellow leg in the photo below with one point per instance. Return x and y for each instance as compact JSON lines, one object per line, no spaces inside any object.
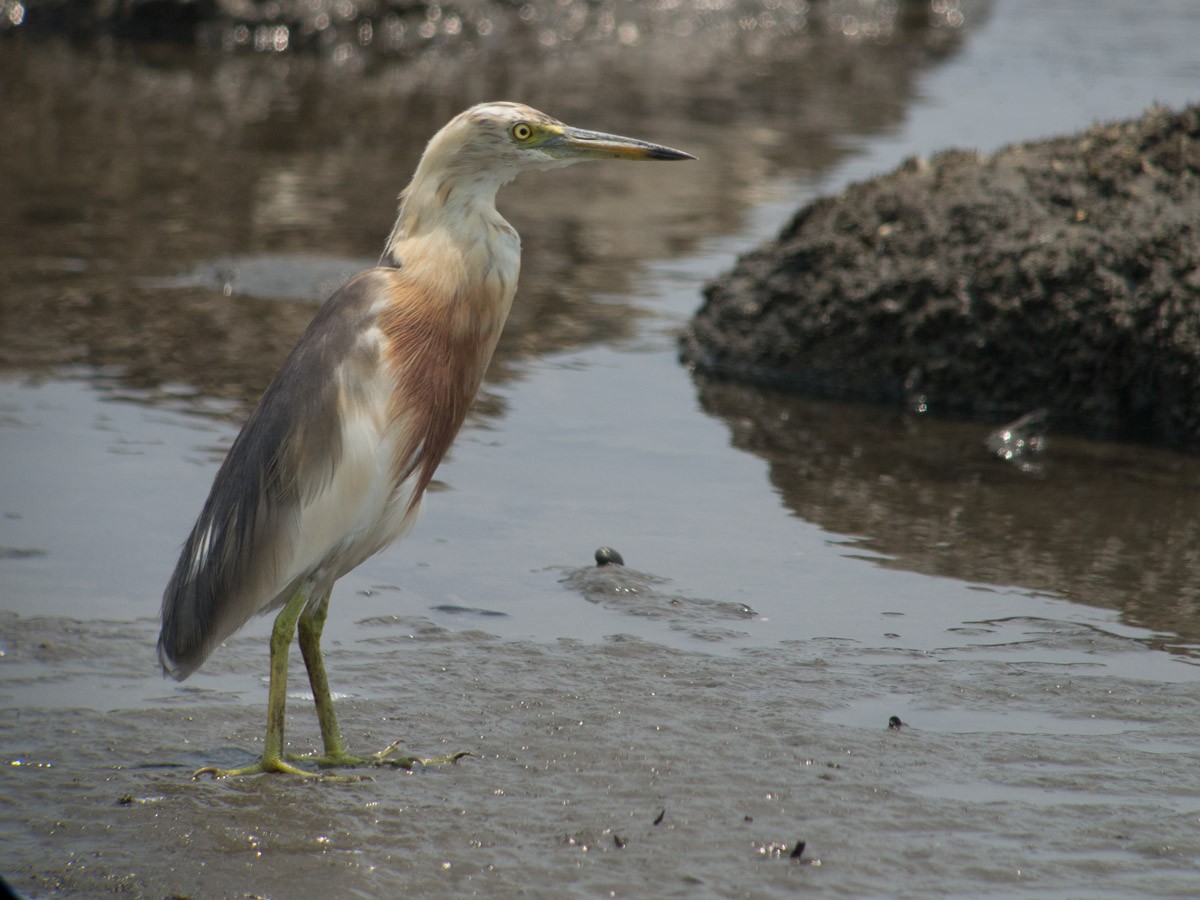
{"x":312,"y":624}
{"x":310,"y":618}
{"x":281,"y":641}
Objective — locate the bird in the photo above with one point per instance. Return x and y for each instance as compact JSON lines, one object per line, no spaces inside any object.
{"x":331,"y":465}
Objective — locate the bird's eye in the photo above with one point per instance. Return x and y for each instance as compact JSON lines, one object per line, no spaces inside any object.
{"x":522,"y":132}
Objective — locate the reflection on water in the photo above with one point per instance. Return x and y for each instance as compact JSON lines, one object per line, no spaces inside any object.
{"x":1103,"y":524}
{"x":150,"y":163}
{"x":357,"y":32}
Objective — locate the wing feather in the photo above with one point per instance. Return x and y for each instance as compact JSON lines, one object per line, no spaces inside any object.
{"x":304,"y":473}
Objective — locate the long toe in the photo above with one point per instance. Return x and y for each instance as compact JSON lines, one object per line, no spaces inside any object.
{"x":269,"y":765}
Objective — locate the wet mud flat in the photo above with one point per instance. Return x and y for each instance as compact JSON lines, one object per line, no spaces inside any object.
{"x":619,"y":769}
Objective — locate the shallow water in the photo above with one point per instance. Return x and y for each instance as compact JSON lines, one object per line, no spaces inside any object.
{"x":798,"y":572}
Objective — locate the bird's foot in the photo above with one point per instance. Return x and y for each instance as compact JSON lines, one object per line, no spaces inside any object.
{"x":386,"y":757}
{"x":273,"y":764}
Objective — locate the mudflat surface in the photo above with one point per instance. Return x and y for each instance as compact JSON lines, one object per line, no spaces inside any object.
{"x":630,"y":768}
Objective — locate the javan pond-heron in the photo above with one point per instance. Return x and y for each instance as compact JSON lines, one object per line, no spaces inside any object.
{"x":331,"y":465}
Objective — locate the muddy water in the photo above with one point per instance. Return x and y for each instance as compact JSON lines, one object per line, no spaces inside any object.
{"x":797,"y":573}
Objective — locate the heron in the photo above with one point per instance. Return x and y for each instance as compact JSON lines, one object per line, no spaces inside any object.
{"x":332,"y":463}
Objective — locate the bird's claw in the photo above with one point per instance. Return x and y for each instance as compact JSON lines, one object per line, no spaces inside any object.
{"x":273,"y":765}
{"x":384,"y":757}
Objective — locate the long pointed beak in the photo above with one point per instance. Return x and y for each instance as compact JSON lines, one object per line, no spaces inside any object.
{"x":575,"y":143}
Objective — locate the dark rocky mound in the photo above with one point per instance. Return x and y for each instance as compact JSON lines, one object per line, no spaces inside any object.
{"x":1062,"y":274}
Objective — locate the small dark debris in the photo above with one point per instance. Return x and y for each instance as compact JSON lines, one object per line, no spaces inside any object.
{"x":658,"y":821}
{"x":456,"y":610}
{"x":125,"y":800}
{"x":21,"y":553}
{"x":607,"y":556}
{"x":795,"y":854}
{"x":748,"y":819}
{"x":894,"y":723}
{"x":619,"y":841}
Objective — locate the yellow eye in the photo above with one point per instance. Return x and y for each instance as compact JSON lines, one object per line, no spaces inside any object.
{"x":522,"y":132}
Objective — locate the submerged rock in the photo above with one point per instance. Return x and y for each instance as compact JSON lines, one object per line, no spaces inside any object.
{"x":1063,"y":273}
{"x":611,"y":584}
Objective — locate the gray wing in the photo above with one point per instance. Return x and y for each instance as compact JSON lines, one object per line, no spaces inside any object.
{"x":229,"y":567}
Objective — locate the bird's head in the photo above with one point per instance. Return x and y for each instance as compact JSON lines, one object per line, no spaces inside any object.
{"x":498,"y":141}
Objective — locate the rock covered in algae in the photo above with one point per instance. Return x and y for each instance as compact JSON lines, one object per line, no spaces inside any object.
{"x":1062,"y":274}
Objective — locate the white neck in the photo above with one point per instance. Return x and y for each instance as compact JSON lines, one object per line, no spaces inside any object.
{"x":446,"y":199}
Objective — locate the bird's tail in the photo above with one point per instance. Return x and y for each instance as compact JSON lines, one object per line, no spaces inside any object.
{"x":194,"y":618}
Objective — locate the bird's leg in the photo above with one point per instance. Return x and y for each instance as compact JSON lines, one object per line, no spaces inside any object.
{"x":281,"y":640}
{"x":312,"y":624}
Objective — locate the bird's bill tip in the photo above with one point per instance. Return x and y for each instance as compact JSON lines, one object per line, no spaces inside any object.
{"x":657,"y":151}
{"x":576,"y":143}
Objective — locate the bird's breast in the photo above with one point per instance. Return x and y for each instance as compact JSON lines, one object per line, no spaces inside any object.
{"x":446,"y":307}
